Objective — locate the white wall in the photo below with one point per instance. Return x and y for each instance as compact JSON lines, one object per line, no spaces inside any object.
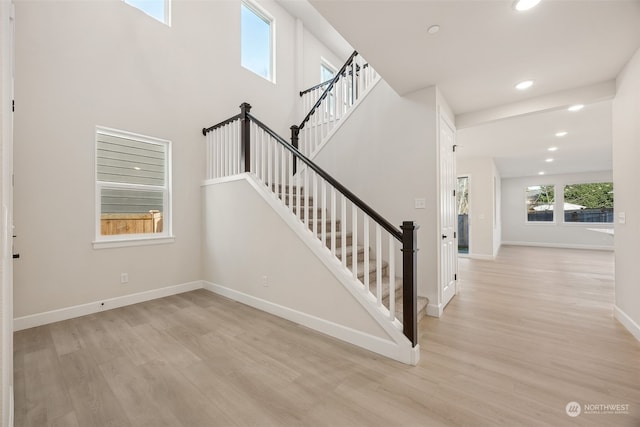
{"x":256,"y":252}
{"x":6,"y":195}
{"x":386,"y":153}
{"x":82,"y":64}
{"x":484,"y":196}
{"x":259,"y":245}
{"x":626,"y":154}
{"x":515,"y":229}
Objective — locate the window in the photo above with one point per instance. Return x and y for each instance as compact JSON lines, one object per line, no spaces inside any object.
{"x":158,"y":9}
{"x":326,"y":73}
{"x":133,"y":183}
{"x":588,"y":202}
{"x":540,"y":200}
{"x":256,"y":41}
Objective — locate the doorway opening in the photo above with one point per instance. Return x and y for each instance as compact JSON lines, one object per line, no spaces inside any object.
{"x":462,"y":204}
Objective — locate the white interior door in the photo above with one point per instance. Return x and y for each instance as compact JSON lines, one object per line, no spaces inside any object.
{"x":448,"y":213}
{"x":6,"y":199}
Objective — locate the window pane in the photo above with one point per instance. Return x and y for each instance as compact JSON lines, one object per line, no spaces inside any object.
{"x":540,"y":200}
{"x":326,"y":73}
{"x":588,"y":202}
{"x":125,"y":211}
{"x":256,"y":42}
{"x":130,"y":161}
{"x":154,"y":8}
{"x":132,"y":184}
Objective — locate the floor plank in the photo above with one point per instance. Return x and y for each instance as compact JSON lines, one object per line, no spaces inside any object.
{"x":526,"y":334}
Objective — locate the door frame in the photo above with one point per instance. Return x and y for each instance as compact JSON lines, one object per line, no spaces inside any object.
{"x":442,"y":117}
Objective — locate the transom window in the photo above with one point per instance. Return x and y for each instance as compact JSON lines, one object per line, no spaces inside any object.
{"x":257,"y":41}
{"x":158,"y":9}
{"x":133,"y":183}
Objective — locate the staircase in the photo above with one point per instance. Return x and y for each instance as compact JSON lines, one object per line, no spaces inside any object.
{"x":357,"y":244}
{"x":316,"y":218}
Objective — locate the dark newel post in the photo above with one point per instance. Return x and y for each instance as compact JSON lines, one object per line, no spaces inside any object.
{"x":295,"y":131}
{"x":245,"y":135}
{"x":409,"y":288}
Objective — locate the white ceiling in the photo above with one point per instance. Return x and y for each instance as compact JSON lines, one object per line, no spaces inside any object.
{"x":485,"y":47}
{"x":519,"y":145}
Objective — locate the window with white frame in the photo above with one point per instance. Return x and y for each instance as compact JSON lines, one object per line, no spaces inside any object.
{"x":158,"y":9}
{"x":326,"y":72}
{"x":540,"y":200}
{"x":590,"y":203}
{"x":133,"y":186}
{"x":256,"y":40}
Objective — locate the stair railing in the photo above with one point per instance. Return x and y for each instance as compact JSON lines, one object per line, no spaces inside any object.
{"x":328,"y":102}
{"x":243,"y":144}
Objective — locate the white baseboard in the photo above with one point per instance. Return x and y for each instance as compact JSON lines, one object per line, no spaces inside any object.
{"x":39,"y":319}
{"x":434,"y":310}
{"x":375,"y":344}
{"x":559,"y":245}
{"x":627,"y":322}
{"x":482,"y":257}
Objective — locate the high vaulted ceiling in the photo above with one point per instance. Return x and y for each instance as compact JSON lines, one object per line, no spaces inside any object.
{"x":572,"y":50}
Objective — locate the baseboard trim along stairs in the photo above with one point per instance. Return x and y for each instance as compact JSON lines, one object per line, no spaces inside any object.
{"x":397,"y":347}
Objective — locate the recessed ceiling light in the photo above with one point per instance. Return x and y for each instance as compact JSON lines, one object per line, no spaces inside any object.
{"x":561,"y":134}
{"x":552,"y":149}
{"x":433,"y":29}
{"x":541,"y":173}
{"x":549,"y":160}
{"x":524,"y":85}
{"x":576,"y":107}
{"x":522,"y":5}
{"x":136,"y":168}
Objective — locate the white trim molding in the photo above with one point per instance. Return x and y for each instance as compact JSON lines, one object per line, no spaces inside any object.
{"x":559,"y":245}
{"x":378,"y":345}
{"x":627,"y":322}
{"x":39,"y":319}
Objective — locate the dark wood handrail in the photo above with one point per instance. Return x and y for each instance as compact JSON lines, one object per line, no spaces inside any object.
{"x":407,"y":234}
{"x":395,"y":232}
{"x":222,"y":123}
{"x":330,"y":80}
{"x":328,"y":89}
{"x":315,"y":87}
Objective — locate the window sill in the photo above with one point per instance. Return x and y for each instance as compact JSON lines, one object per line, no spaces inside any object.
{"x":123,"y":243}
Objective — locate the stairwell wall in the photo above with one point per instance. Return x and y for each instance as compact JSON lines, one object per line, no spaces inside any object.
{"x":386,"y":152}
{"x":80,"y":64}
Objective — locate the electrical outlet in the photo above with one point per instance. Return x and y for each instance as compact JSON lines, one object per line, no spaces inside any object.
{"x":124,"y":278}
{"x":265,"y":281}
{"x":420,"y":203}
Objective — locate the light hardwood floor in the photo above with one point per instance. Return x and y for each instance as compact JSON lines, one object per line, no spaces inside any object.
{"x":527,"y":334}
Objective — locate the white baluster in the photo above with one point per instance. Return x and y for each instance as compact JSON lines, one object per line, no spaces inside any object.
{"x":276,"y":166}
{"x":354,"y":241}
{"x":379,"y":264}
{"x":392,"y":278}
{"x":263,"y":157}
{"x":333,"y":221}
{"x":299,"y":165}
{"x":285,"y":172}
{"x":323,"y":217}
{"x":269,"y":151}
{"x":306,"y":206}
{"x":315,"y":200}
{"x":343,"y":229}
{"x":366,"y":251}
